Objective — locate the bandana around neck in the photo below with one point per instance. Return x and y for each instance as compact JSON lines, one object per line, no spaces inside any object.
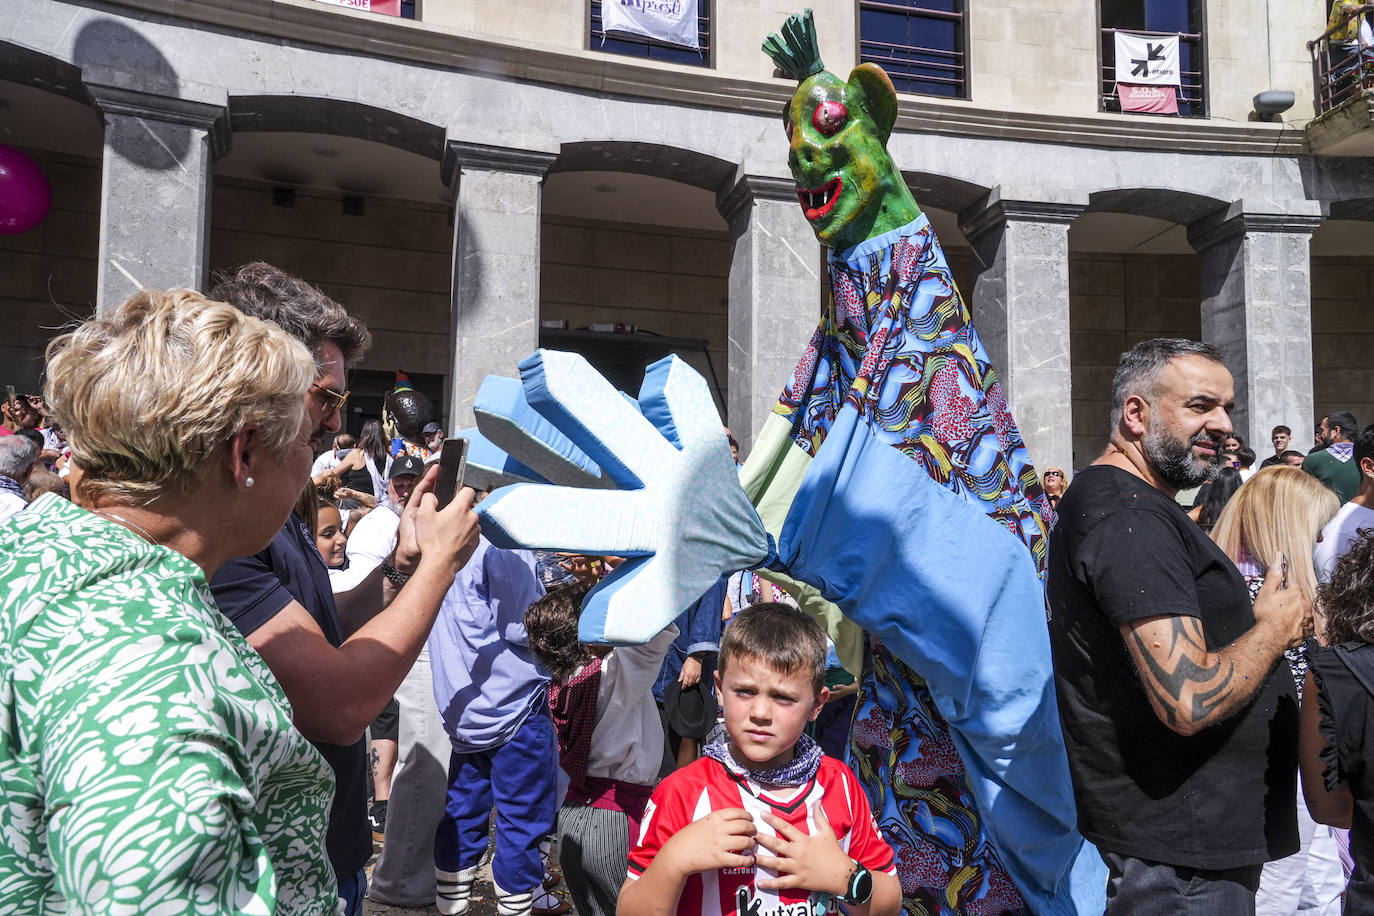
{"x":806,"y":760}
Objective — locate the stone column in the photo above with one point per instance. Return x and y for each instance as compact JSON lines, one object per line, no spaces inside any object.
{"x":155,"y":190}
{"x":1257,"y":309}
{"x":775,"y":295}
{"x":1020,"y":306}
{"x":495,"y":296}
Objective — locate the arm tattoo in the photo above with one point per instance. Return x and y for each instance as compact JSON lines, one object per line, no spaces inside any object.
{"x":1183,"y":678}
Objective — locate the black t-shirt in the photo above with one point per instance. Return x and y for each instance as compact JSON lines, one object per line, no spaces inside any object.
{"x":1222,"y":798}
{"x":1347,"y":724}
{"x":251,"y":591}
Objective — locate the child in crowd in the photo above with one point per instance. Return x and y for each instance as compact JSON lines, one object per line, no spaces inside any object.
{"x":1337,"y":739}
{"x":492,"y":697}
{"x":764,"y":824}
{"x":330,"y":538}
{"x":609,"y":743}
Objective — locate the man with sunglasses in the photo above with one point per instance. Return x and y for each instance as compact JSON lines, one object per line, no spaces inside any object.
{"x":339,"y":658}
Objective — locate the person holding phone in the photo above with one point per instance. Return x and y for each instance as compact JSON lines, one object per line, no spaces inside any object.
{"x":1274,"y":517}
{"x":1173,"y":705}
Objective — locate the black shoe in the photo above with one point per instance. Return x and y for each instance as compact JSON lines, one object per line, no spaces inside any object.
{"x":376,"y":816}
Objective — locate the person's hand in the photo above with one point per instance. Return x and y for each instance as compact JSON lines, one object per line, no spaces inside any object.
{"x":721,"y":839}
{"x":1283,"y":608}
{"x":690,"y":673}
{"x":814,"y":862}
{"x":672,"y":473}
{"x":429,"y":534}
{"x":587,"y":570}
{"x":345,"y":493}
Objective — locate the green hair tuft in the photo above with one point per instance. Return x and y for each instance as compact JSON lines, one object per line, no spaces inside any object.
{"x":796,"y":53}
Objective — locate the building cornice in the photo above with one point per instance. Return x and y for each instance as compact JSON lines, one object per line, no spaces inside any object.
{"x":460,"y":154}
{"x":1230,"y":223}
{"x":209,"y":117}
{"x":376,"y":35}
{"x":997,"y":212}
{"x":731,"y":200}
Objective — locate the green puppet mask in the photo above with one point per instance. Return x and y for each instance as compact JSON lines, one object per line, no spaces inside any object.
{"x":848,"y":186}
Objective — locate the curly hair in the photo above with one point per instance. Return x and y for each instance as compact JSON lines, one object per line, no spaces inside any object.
{"x":551,"y":623}
{"x":1348,"y":599}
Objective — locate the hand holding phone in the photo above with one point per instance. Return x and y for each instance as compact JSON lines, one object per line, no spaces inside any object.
{"x":453,"y":464}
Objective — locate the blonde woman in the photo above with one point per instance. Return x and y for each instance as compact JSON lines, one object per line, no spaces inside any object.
{"x":147,"y":754}
{"x":1275,"y":516}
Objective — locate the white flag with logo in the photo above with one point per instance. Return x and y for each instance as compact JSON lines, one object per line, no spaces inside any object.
{"x":1147,"y":60}
{"x":672,"y":22}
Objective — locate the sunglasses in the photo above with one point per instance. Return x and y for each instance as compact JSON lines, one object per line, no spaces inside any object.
{"x":334,"y":400}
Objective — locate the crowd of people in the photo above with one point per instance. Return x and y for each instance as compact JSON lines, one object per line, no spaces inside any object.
{"x":242,"y":649}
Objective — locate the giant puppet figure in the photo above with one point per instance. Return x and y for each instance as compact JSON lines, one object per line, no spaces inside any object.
{"x":890,"y":481}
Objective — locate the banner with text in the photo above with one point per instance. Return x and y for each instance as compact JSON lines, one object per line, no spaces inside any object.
{"x":1147,"y":60}
{"x":386,"y":7}
{"x":670,"y":22}
{"x":1157,"y":99}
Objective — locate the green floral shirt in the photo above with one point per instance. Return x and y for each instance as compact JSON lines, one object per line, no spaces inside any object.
{"x":147,"y":759}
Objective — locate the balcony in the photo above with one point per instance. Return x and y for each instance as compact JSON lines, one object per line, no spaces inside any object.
{"x":1343,"y":83}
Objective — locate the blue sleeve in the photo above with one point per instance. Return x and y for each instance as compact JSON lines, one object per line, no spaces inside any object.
{"x":512,"y":586}
{"x":248,"y":592}
{"x":701,"y":632}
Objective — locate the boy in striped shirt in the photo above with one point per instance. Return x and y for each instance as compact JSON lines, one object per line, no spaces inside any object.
{"x":764,"y":824}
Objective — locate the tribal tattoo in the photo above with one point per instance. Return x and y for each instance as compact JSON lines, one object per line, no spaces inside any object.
{"x":1189,"y":687}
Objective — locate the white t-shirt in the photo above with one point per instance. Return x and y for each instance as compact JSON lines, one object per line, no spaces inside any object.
{"x":372,"y":540}
{"x":1337,"y":537}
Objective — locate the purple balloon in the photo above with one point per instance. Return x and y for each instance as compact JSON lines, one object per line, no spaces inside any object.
{"x":25,"y":195}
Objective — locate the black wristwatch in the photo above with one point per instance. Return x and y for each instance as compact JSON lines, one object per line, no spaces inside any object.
{"x":860,"y":886}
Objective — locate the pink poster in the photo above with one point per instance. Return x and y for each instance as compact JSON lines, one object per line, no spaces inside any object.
{"x":386,"y":7}
{"x":1158,"y":99}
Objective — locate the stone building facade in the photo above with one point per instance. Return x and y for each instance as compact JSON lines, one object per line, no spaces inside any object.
{"x":458,"y":178}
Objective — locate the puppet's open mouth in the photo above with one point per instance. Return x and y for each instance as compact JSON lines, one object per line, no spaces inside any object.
{"x":818,"y":201}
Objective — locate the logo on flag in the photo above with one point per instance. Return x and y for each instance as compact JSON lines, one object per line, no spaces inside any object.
{"x":669,"y":22}
{"x":1147,"y":60}
{"x":386,"y":7}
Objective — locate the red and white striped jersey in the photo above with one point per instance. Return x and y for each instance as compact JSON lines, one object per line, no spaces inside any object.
{"x":695,"y":791}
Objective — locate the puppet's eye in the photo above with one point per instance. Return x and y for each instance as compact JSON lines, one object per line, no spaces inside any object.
{"x":829,"y":118}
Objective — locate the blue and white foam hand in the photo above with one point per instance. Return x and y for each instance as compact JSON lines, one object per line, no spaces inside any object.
{"x":678,"y":513}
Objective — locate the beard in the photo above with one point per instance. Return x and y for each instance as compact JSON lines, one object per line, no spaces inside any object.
{"x":1174,"y":460}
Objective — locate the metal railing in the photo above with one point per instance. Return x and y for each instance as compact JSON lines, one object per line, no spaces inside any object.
{"x":1341,"y":70}
{"x":914,"y":68}
{"x":1192,"y":88}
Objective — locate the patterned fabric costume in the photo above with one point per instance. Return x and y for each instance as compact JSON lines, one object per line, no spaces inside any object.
{"x":897,"y":373}
{"x":147,"y":753}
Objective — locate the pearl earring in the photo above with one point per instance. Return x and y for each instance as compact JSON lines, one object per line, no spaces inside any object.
{"x":248,"y":482}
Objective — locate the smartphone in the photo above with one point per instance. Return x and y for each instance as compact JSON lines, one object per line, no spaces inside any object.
{"x":453,"y":464}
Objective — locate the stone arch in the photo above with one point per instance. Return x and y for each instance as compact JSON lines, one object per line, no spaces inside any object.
{"x":690,"y":167}
{"x":337,"y":117}
{"x":1175,"y":206}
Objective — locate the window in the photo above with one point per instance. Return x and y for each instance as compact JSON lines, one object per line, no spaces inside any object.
{"x":920,"y":43}
{"x":636,"y":47}
{"x":1166,"y":18}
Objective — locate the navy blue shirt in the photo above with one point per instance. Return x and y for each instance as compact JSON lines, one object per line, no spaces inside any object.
{"x":251,"y":591}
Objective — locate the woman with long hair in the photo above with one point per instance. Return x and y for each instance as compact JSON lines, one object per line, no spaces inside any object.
{"x":1214,"y":496}
{"x":1275,"y":518}
{"x":1337,"y":737}
{"x":361,"y":473}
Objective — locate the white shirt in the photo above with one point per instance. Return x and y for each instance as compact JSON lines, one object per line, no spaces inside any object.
{"x":627,"y":740}
{"x":327,"y":462}
{"x":1338,"y":535}
{"x":11,"y":504}
{"x":372,"y":540}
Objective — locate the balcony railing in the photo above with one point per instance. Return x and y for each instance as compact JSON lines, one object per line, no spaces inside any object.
{"x":1341,"y":70}
{"x":1192,"y":88}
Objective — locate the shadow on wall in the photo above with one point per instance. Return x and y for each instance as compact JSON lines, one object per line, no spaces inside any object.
{"x":110,"y":54}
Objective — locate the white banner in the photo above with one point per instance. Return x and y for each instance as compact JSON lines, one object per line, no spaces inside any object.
{"x":671,"y":22}
{"x":1147,"y":60}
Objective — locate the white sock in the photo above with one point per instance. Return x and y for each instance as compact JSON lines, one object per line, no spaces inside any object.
{"x":453,"y":890}
{"x":508,"y":904}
